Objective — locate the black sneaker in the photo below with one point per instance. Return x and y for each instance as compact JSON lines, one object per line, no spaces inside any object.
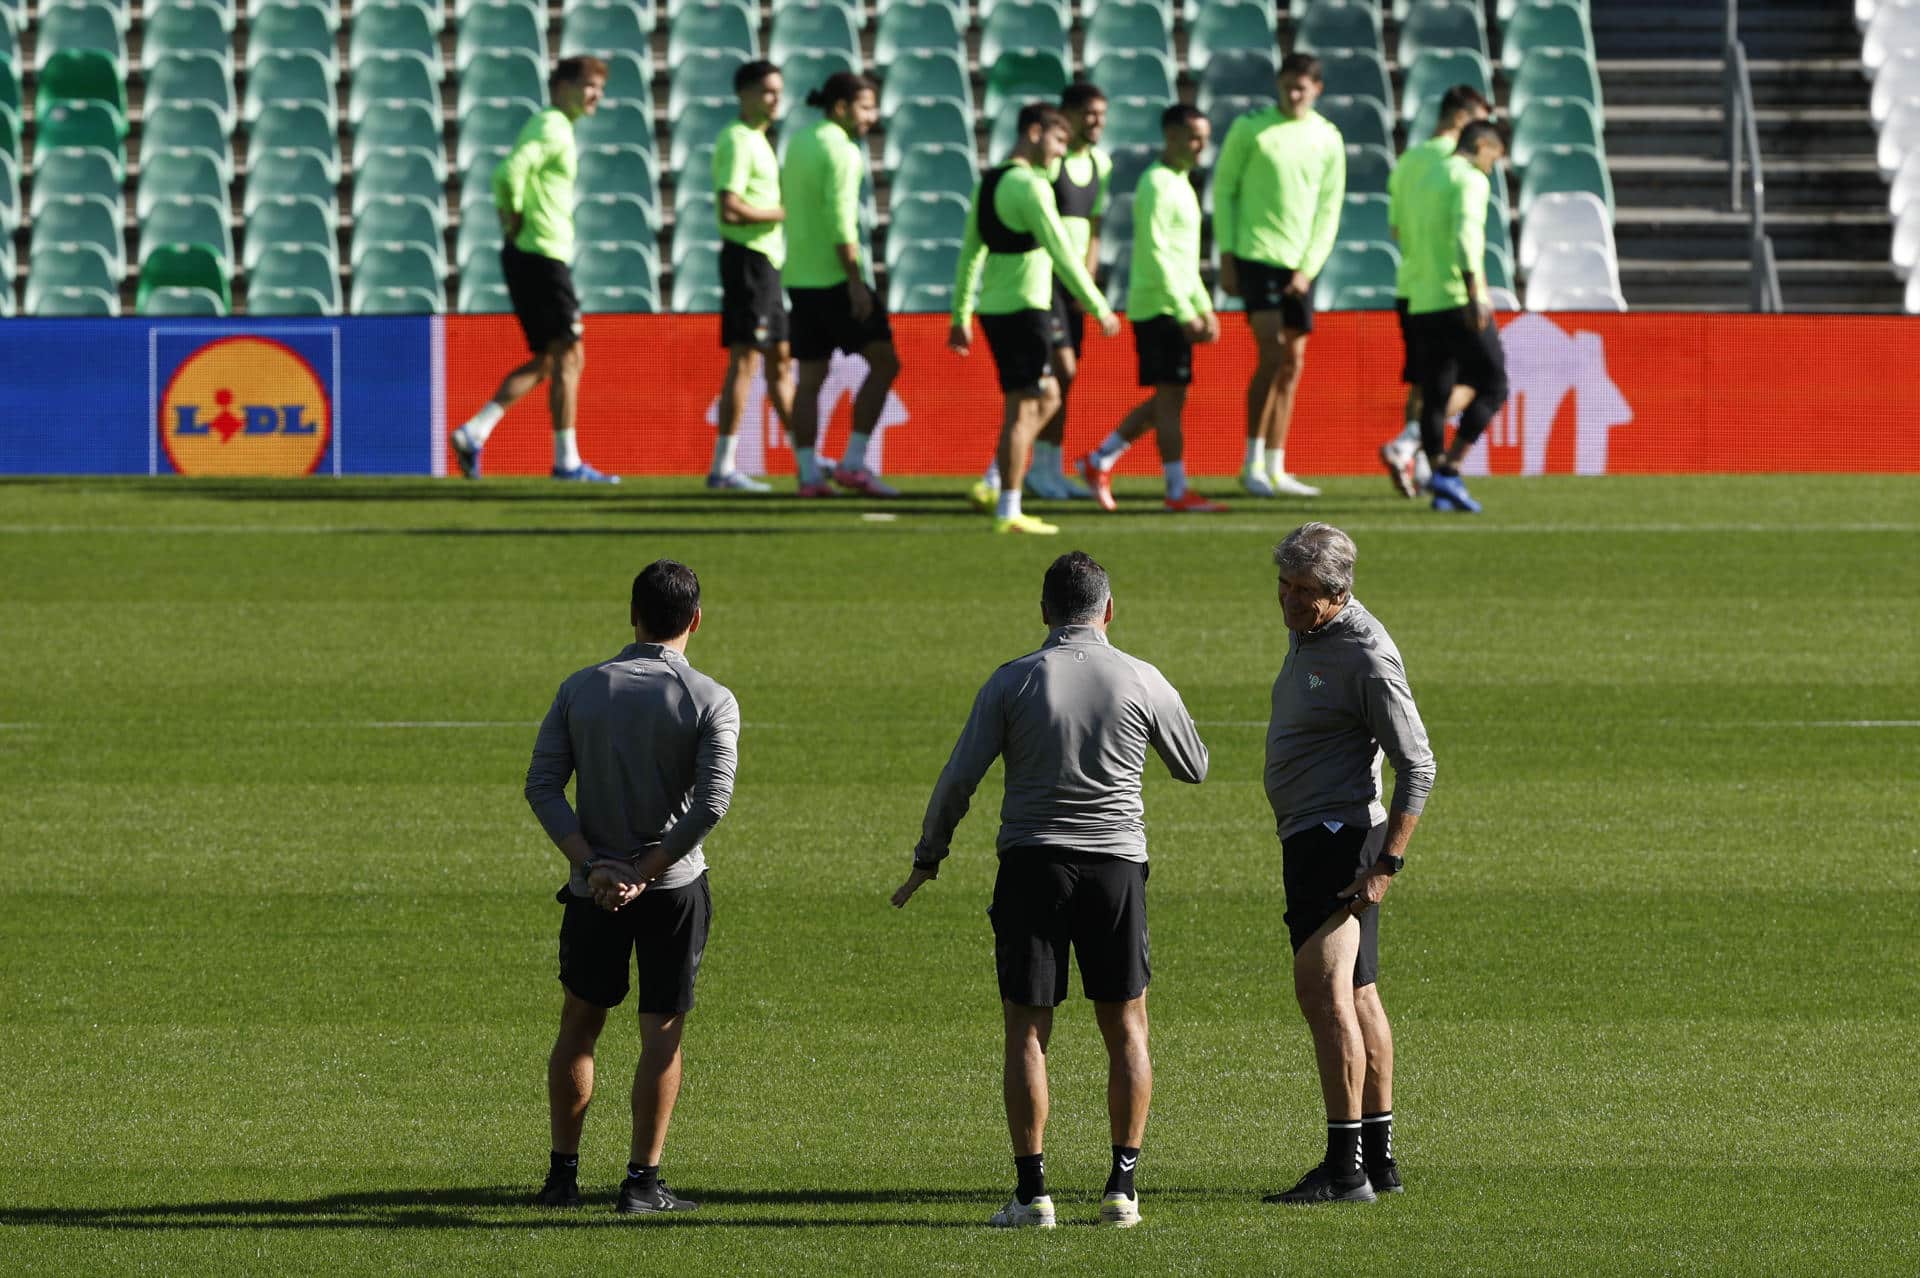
{"x":1385,"y":1177}
{"x":1320,"y":1186}
{"x":652,"y":1201}
{"x":559,"y":1191}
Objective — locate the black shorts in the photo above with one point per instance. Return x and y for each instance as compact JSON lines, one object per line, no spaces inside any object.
{"x":1407,"y":365}
{"x":1069,"y":324}
{"x":1263,"y":287}
{"x":1451,"y":349}
{"x":1022,"y":345}
{"x":753,"y":310}
{"x":543,"y":298}
{"x":665,"y":927}
{"x":1317,"y":864}
{"x":823,"y":322}
{"x":1166,"y":356}
{"x":1046,"y":900}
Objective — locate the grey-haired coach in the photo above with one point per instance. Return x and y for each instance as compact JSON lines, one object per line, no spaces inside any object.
{"x":1340,"y":704}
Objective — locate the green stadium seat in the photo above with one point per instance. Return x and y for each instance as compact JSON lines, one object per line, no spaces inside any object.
{"x":922,"y":258}
{"x":920,"y":25}
{"x":75,"y":26}
{"x":1368,"y":265}
{"x":922,"y":297}
{"x":616,"y":219}
{"x":1554,"y":122}
{"x":68,"y":266}
{"x":1137,"y":73}
{"x":81,"y":74}
{"x":710,"y":26}
{"x":185,"y":28}
{"x":1432,"y":74}
{"x":479,"y":231}
{"x":488,"y":27}
{"x":400,"y":170}
{"x":289,"y":172}
{"x":1505,"y":9}
{"x":813,"y":24}
{"x":482,"y":266}
{"x":228,"y":11}
{"x":476,"y":179}
{"x":293,"y":220}
{"x":629,"y":78}
{"x":80,"y":219}
{"x":1134,"y":122}
{"x":696,"y":294}
{"x":289,"y":77}
{"x":1336,"y":24}
{"x":491,"y":124}
{"x":1537,"y":25}
{"x":401,"y":74}
{"x":618,"y":170}
{"x":616,"y":124}
{"x":937,"y":169}
{"x":187,"y":219}
{"x":1356,"y":73}
{"x":1359,"y":297}
{"x":10,"y":198}
{"x":1116,"y":231}
{"x":619,"y":265}
{"x":10,"y":134}
{"x":186,"y":126}
{"x":173,"y":176}
{"x":925,"y":122}
{"x":401,"y":219}
{"x":1237,"y":73}
{"x":286,"y":301}
{"x":1401,"y":10}
{"x":929,"y":73}
{"x":409,"y":125}
{"x":74,"y":302}
{"x":1020,"y":76}
{"x":698,"y":126}
{"x":928,"y":215}
{"x":1361,"y":121}
{"x":1228,"y":25}
{"x":1499,"y":233}
{"x":1129,"y":162}
{"x":1566,"y":168}
{"x":1367,"y":169}
{"x":484,"y":299}
{"x":1499,"y":267}
{"x":1018,"y":27}
{"x":605,"y":27}
{"x":609,"y":300}
{"x":1442,"y":24}
{"x":399,"y":300}
{"x":1363,"y":219}
{"x":74,"y":171}
{"x":708,"y":74}
{"x":1554,"y":73}
{"x":297,"y":125}
{"x":403,"y":266}
{"x":808,"y":69}
{"x":10,"y":88}
{"x":194,"y":77}
{"x":84,"y":123}
{"x":299,"y":266}
{"x":393,"y":28}
{"x":10,"y":40}
{"x":181,"y":302}
{"x":329,"y":8}
{"x":1118,"y":26}
{"x":287,"y":28}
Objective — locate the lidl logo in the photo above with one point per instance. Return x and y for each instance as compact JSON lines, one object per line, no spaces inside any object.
{"x":245,"y":406}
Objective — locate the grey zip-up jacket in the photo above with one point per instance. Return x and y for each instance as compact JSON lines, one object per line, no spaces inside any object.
{"x":654,"y":742}
{"x":1073,"y":721}
{"x":1340,"y":703}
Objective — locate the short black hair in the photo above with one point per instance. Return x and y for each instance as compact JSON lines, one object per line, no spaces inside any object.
{"x":1074,"y":590}
{"x":841,"y":86}
{"x":666,"y":594}
{"x":1304,"y":64}
{"x":576,"y":70}
{"x":1180,"y":116}
{"x":1462,"y":97}
{"x":1471,"y":135}
{"x":752,"y":73}
{"x":1044,"y":114}
{"x":1079,"y":94}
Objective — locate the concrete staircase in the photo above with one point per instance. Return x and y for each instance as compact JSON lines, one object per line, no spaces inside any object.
{"x":1681,"y":246}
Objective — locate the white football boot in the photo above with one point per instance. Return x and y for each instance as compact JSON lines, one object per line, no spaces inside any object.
{"x":1037,"y":1214}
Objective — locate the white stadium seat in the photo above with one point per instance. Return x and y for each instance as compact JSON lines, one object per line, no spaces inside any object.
{"x":1895,"y":25}
{"x":1504,"y":299}
{"x":1571,"y":266}
{"x":1575,"y":299}
{"x":1906,"y":242}
{"x":1863,"y":12}
{"x":1564,"y":217}
{"x":1913,"y":294}
{"x":1899,"y":78}
{"x":1899,"y":136}
{"x":1906,"y":185}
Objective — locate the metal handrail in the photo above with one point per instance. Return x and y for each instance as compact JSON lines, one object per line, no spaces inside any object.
{"x":1743,"y":150}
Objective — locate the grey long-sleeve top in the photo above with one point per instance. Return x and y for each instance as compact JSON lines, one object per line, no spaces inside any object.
{"x":1073,"y":721}
{"x":1340,"y":703}
{"x":654,"y":742}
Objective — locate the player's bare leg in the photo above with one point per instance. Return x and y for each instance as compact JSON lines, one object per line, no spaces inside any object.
{"x":1279,"y":421}
{"x":1123,"y":1026}
{"x":570,"y":1071}
{"x":1025,"y":414}
{"x":1046,"y":474}
{"x":471,"y":436}
{"x":805,"y":421}
{"x":743,"y":361}
{"x":869,"y":402}
{"x":656,"y":1086}
{"x":1376,"y":1092}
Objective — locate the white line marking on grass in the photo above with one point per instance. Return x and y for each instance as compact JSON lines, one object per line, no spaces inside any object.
{"x":445,"y":723}
{"x":1151,"y":527}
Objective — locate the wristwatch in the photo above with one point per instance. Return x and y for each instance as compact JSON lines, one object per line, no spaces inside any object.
{"x":1390,"y":864}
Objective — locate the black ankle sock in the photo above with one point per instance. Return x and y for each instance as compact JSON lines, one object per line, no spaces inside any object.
{"x":559,"y":1164}
{"x":1343,"y":1149}
{"x":1032,"y":1171}
{"x":1376,"y":1138}
{"x":643,"y":1177}
{"x":1120,"y":1177}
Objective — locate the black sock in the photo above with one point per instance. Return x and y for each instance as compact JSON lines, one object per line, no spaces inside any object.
{"x":1343,"y":1149}
{"x":1120,"y":1178}
{"x":643,"y":1177}
{"x":1032,"y":1171}
{"x":1376,"y":1138}
{"x":563,"y":1165}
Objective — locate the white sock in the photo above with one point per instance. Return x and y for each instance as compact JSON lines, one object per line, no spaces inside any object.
{"x":804,"y":463}
{"x":1009,"y":504}
{"x":992,"y":475}
{"x":1410,"y":433}
{"x":724,"y":448}
{"x":1257,"y":455}
{"x":481,"y":424}
{"x":1109,"y":451}
{"x":1276,"y":462}
{"x":566,"y":452}
{"x":855,"y":457}
{"x":1176,"y":480}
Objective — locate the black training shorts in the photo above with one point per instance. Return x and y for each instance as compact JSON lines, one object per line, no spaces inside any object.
{"x":1409,"y":368}
{"x":543,"y":298}
{"x":1451,"y":349}
{"x":1069,"y":321}
{"x":664,"y":928}
{"x":823,"y":322}
{"x":1046,"y":900}
{"x":753,"y":309}
{"x":1166,"y":356}
{"x":1316,"y":865}
{"x":1263,"y":287}
{"x":1022,"y":346}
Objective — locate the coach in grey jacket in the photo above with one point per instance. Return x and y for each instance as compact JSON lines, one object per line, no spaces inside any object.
{"x":1073,"y":720}
{"x":1341,"y":703}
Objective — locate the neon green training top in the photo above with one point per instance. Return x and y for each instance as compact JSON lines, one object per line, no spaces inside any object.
{"x":1023,"y":201}
{"x":1165,"y":278}
{"x":1447,"y":218}
{"x":820,"y":189}
{"x":1278,"y":189}
{"x":536,"y":181}
{"x":1406,"y":177}
{"x":1081,"y":181}
{"x":743,"y":163}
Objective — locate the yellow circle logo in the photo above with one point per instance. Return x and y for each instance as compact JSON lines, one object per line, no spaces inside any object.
{"x":245,"y":406}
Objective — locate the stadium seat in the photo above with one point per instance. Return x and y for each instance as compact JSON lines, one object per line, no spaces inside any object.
{"x":604,"y":27}
{"x":911,"y":27}
{"x":412,"y":125}
{"x":288,"y":28}
{"x":1498,"y":265}
{"x":1020,"y":76}
{"x":10,"y":199}
{"x":290,"y":172}
{"x":923,"y":261}
{"x":1566,"y":168}
{"x":1129,"y":162}
{"x":1906,"y":243}
{"x":1898,"y":79}
{"x":77,"y":25}
{"x":1133,"y":122}
{"x":1544,"y":25}
{"x":1372,"y":265}
{"x":706,"y":26}
{"x":707,"y":73}
{"x":1224,"y":25}
{"x":397,"y":220}
{"x":184,"y":266}
{"x":1363,"y":220}
{"x":479,"y":233}
{"x":1328,"y":25}
{"x":604,"y":299}
{"x":10,"y":134}
{"x":395,"y":299}
{"x":922,"y":297}
{"x":930,"y":73}
{"x":618,"y":170}
{"x":813,"y":25}
{"x":696,"y":129}
{"x":1554,"y":73}
{"x":1548,"y":294}
{"x":1442,"y":24}
{"x":301,"y":125}
{"x":615,"y":219}
{"x":400,"y":170}
{"x":925,"y":122}
{"x":1136,"y":73}
{"x":83,"y":74}
{"x":1906,"y":185}
{"x":329,"y":8}
{"x":476,"y":179}
{"x":1899,"y":137}
{"x":75,"y":171}
{"x":1116,"y":230}
{"x":928,"y":215}
{"x":1224,"y":110}
{"x":936,"y":169}
{"x":84,"y":123}
{"x":298,"y":266}
{"x":1367,"y":170}
{"x":289,"y":77}
{"x":185,"y":28}
{"x":623,"y":265}
{"x":482,"y":269}
{"x":188,"y":219}
{"x":695,"y":295}
{"x":1356,"y":73}
{"x":397,"y":266}
{"x":1564,"y":217}
{"x":78,"y":219}
{"x":1911,"y":303}
{"x":1357,"y":297}
{"x":1019,"y":27}
{"x":1361,"y":121}
{"x":616,"y":124}
{"x":300,"y":221}
{"x":1893,"y":27}
{"x":174,"y":176}
{"x":177,"y":301}
{"x":808,"y":69}
{"x":392,"y":28}
{"x":228,"y":11}
{"x":1554,"y":122}
{"x":629,"y":78}
{"x":1428,"y":80}
{"x":1505,"y":9}
{"x":1126,"y":26}
{"x":484,"y":299}
{"x":73,"y":301}
{"x":1237,"y":73}
{"x":405,"y":75}
{"x":491,"y":124}
{"x":194,"y":77}
{"x":487,"y":28}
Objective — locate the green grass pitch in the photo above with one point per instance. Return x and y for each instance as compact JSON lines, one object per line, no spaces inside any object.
{"x":277,"y":930}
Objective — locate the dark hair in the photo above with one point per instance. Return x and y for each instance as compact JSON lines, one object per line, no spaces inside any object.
{"x":1303,"y":64}
{"x":1080,"y":94}
{"x":1180,"y":116}
{"x":752,"y":73}
{"x":1074,"y":590}
{"x":574,"y":70}
{"x":666,"y":594}
{"x":1044,"y":114}
{"x":1471,"y":135}
{"x":841,"y":86}
{"x":1462,"y":97}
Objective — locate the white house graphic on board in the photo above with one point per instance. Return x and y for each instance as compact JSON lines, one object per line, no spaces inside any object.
{"x":760,"y":437}
{"x":1545,"y":364}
